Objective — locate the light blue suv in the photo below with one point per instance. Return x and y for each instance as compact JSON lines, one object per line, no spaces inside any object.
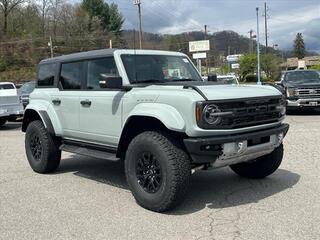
{"x":152,"y":110}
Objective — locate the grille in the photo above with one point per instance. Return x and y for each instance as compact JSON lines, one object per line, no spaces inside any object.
{"x":308,"y":92}
{"x":250,"y":112}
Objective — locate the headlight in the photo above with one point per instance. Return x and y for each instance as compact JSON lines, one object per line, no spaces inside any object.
{"x":211,"y":114}
{"x":282,"y":106}
{"x":291,"y":92}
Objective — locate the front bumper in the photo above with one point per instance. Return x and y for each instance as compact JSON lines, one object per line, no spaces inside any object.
{"x":231,"y":149}
{"x":303,"y":102}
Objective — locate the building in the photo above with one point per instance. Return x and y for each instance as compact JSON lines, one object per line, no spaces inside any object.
{"x":306,"y":62}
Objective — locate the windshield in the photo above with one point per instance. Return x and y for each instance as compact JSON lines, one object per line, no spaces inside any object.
{"x":159,"y":68}
{"x":27,"y":87}
{"x":6,"y":86}
{"x":303,"y":77}
{"x":227,"y":80}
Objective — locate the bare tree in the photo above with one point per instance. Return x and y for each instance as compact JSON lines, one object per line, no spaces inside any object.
{"x":7,"y":6}
{"x":43,"y":7}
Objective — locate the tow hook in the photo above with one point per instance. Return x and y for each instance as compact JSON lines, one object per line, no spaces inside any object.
{"x":201,"y":167}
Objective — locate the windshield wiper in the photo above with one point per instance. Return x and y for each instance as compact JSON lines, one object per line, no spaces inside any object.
{"x":184,"y":80}
{"x":149,"y":81}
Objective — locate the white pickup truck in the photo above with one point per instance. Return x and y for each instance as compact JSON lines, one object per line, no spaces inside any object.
{"x":10,"y":105}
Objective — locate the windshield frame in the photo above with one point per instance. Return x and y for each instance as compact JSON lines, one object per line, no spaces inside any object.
{"x":155,"y":53}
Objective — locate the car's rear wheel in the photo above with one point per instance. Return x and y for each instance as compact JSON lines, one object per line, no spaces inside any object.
{"x":2,"y":121}
{"x":261,"y":167}
{"x":157,"y":171}
{"x":42,"y":149}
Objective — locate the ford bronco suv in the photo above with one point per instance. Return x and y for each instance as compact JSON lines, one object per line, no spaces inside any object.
{"x":152,"y":110}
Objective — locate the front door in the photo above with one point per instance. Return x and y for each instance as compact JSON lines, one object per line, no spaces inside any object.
{"x":100,"y":109}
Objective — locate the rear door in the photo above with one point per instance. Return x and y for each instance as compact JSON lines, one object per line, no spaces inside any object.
{"x":100,"y":109}
{"x":66,"y":101}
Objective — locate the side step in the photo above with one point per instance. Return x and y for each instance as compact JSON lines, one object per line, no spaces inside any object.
{"x":89,"y":150}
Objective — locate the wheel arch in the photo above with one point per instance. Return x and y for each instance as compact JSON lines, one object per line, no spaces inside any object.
{"x":137,"y":124}
{"x":32,"y":115}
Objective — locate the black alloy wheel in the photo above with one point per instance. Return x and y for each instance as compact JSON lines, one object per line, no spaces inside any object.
{"x":36,"y":147}
{"x":148,"y":172}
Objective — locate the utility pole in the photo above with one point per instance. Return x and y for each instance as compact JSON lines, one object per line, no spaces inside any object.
{"x":229,"y":50}
{"x":138,"y":3}
{"x":205,"y":38}
{"x":266,"y":25}
{"x":51,"y":47}
{"x":258,"y":49}
{"x":250,"y":41}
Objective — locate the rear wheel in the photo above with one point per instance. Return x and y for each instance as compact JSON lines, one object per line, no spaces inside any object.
{"x":261,"y":167}
{"x":2,"y":121}
{"x":157,"y":171}
{"x":42,"y":149}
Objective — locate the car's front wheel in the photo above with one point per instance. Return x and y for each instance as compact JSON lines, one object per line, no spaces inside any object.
{"x":260,"y":167}
{"x":157,"y":171}
{"x":42,"y":149}
{"x":2,"y":121}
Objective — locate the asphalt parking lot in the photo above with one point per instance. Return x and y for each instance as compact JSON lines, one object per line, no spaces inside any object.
{"x":89,"y":199}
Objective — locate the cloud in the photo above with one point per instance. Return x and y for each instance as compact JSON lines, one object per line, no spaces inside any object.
{"x":287,"y":17}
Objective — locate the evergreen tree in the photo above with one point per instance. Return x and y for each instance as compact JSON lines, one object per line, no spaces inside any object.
{"x":299,"y":48}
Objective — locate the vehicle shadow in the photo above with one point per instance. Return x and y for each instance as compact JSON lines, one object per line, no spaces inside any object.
{"x":215,"y":189}
{"x":10,"y":126}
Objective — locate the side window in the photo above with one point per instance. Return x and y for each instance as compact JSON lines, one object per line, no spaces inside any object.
{"x":70,"y":75}
{"x":46,"y":74}
{"x":96,"y":68}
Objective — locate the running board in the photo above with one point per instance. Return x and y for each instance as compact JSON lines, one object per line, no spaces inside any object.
{"x":89,"y":151}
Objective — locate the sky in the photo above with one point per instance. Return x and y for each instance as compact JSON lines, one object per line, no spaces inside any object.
{"x":285,"y":18}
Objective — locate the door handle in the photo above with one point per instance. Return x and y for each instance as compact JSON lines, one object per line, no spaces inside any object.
{"x":86,"y":103}
{"x":56,"y":101}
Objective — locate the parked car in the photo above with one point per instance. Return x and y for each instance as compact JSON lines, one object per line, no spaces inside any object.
{"x":227,"y":79}
{"x":24,"y":92}
{"x":302,"y":88}
{"x":10,"y":105}
{"x":221,"y":79}
{"x":152,"y":110}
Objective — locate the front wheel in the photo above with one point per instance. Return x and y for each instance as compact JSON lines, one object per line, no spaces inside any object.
{"x":261,"y":167}
{"x":157,"y":171}
{"x":2,"y":121}
{"x":42,"y":149}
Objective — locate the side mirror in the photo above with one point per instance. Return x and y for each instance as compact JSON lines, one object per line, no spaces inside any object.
{"x":110,"y":81}
{"x":212,"y":77}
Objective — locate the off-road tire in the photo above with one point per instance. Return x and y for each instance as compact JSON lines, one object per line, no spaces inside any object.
{"x":175,"y":167}
{"x":261,"y":167}
{"x":2,"y":121}
{"x":50,"y":156}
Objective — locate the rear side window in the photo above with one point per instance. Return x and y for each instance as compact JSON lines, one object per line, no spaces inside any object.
{"x":97,"y":68}
{"x":6,"y":86}
{"x":46,"y":74}
{"x":70,"y":75}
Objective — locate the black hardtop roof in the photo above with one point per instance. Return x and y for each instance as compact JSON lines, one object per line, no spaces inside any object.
{"x":80,"y":56}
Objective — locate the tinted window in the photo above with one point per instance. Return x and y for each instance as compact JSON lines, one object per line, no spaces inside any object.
{"x":96,"y":68}
{"x":159,"y":68}
{"x":46,"y":74}
{"x":6,"y":86}
{"x":70,"y":76}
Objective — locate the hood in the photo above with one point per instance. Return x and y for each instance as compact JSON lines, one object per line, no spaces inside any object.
{"x":217,"y":92}
{"x":238,"y":91}
{"x":297,"y":85}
